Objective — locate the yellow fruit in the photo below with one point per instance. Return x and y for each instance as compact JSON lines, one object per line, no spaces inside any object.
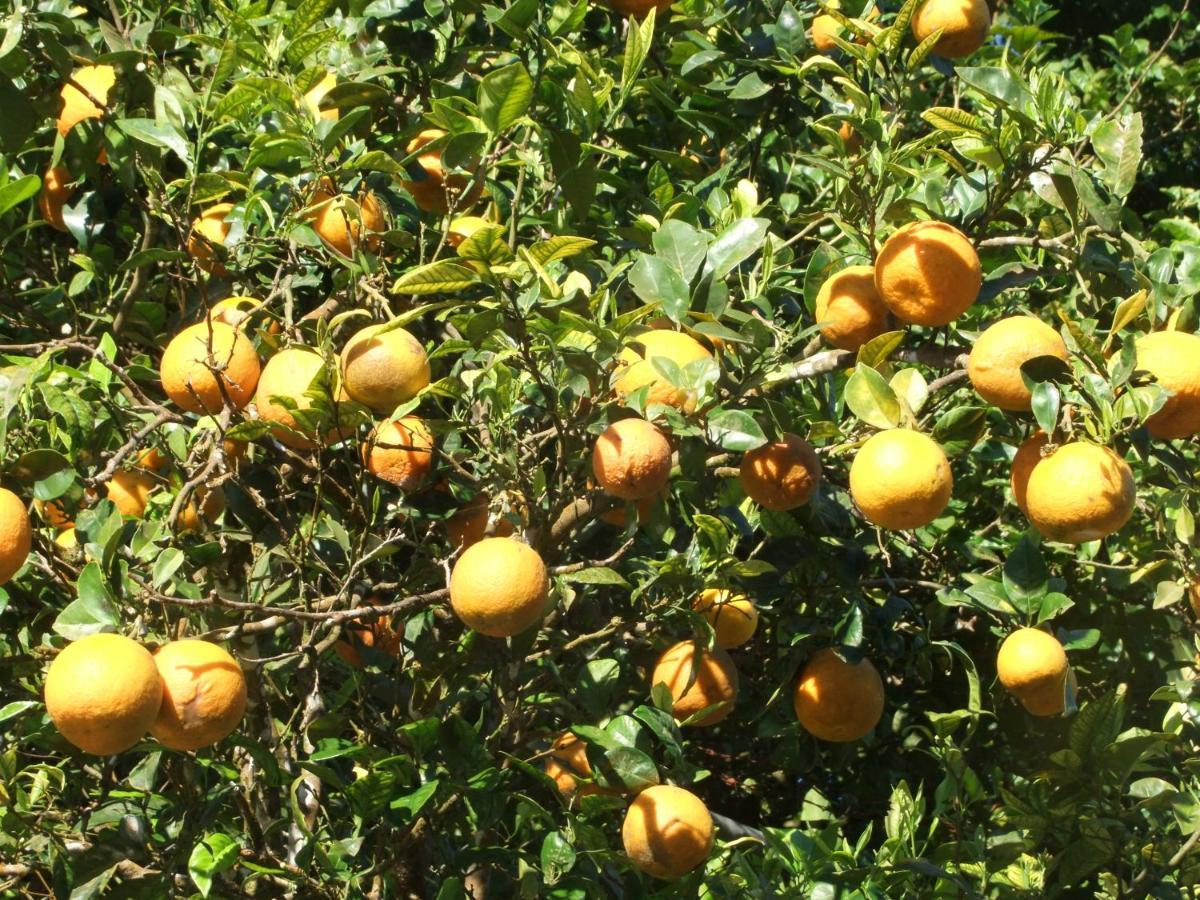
{"x":201,"y":510}
{"x":437,"y":192}
{"x":568,"y":763}
{"x":1173,"y":358}
{"x":824,"y":28}
{"x":499,"y":587}
{"x":312,"y":99}
{"x":928,"y":273}
{"x":400,"y":452}
{"x":1081,"y":492}
{"x":635,"y":369}
{"x":733,"y":617}
{"x":16,"y":534}
{"x":209,"y":231}
{"x":56,"y":191}
{"x":836,"y":700}
{"x":292,"y":373}
{"x":462,"y":227}
{"x":1028,"y":455}
{"x":1032,"y":666}
{"x":667,"y":831}
{"x":619,"y":515}
{"x":383,"y":367}
{"x":66,"y":539}
{"x":964,"y":25}
{"x":469,"y":524}
{"x":849,"y":309}
{"x":103,"y":693}
{"x":901,"y":479}
{"x":345,"y":225}
{"x":233,"y":311}
{"x":192,"y":355}
{"x":78,"y":105}
{"x":203,"y":694}
{"x":852,"y":141}
{"x":632,"y":459}
{"x":994,"y":365}
{"x":697,"y":679}
{"x":130,"y":491}
{"x":781,"y":475}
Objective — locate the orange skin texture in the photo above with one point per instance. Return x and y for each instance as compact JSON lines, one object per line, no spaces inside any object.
{"x":733,"y":617}
{"x":823,"y":30}
{"x":964,"y":25}
{"x":928,"y":273}
{"x":836,"y":700}
{"x":849,"y":308}
{"x":1028,"y":455}
{"x":312,"y":99}
{"x":994,"y":364}
{"x":470,"y":523}
{"x":568,"y":763}
{"x":667,"y":831}
{"x":130,"y":491}
{"x":290,"y":373}
{"x":632,"y":459}
{"x":619,"y":515}
{"x":635,"y":369}
{"x":499,"y":587}
{"x":1081,"y":492}
{"x":203,"y":694}
{"x":901,"y":479}
{"x":378,"y":633}
{"x":400,"y":451}
{"x":103,"y":693}
{"x":209,"y":231}
{"x":1173,"y":358}
{"x":462,"y":227}
{"x":715,"y":681}
{"x":201,"y":510}
{"x":232,"y":311}
{"x":639,"y":9}
{"x":54,"y":513}
{"x":344,"y":228}
{"x":188,"y":379}
{"x":98,"y":81}
{"x":437,"y":192}
{"x":16,"y":534}
{"x":382,"y":369}
{"x":781,"y":475}
{"x":851,"y":139}
{"x":56,"y":191}
{"x":1032,"y":666}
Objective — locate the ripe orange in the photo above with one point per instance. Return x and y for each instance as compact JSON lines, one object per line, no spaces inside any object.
{"x":437,"y":191}
{"x":499,"y":587}
{"x":697,"y":679}
{"x":201,"y":510}
{"x":568,"y":763}
{"x":462,"y":227}
{"x":632,"y":459}
{"x":312,"y":99}
{"x":16,"y":534}
{"x":994,"y":365}
{"x":1032,"y":666}
{"x":964,"y":25}
{"x":836,"y":700}
{"x":130,"y":490}
{"x":1028,"y":455}
{"x":292,"y":374}
{"x":470,"y":523}
{"x":635,"y":368}
{"x":733,"y":617}
{"x":209,"y":231}
{"x":1173,"y":358}
{"x":781,"y":475}
{"x":901,"y":479}
{"x":103,"y":693}
{"x":849,"y":307}
{"x":192,"y":356}
{"x":97,"y":81}
{"x":1081,"y":492}
{"x":233,"y":311}
{"x":55,"y":513}
{"x":203,"y":694}
{"x":56,"y":191}
{"x":823,"y":30}
{"x":667,"y":831}
{"x":400,"y":452}
{"x":378,"y":634}
{"x":619,"y":515}
{"x":383,"y":367}
{"x":852,"y":141}
{"x":345,"y":224}
{"x":639,"y":9}
{"x":928,"y":273}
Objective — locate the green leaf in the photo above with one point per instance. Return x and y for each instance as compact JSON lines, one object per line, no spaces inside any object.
{"x":413,"y":802}
{"x":559,"y":247}
{"x":93,"y":609}
{"x":735,"y":430}
{"x":1026,"y":578}
{"x":959,"y":429}
{"x":682,"y":246}
{"x":158,"y":135}
{"x":634,"y":770}
{"x":442,"y":277}
{"x":637,"y":47}
{"x":18,"y":191}
{"x":871,"y":398}
{"x":214,"y":854}
{"x":1098,"y":723}
{"x":875,"y":352}
{"x":557,"y":856}
{"x":655,"y":281}
{"x":1119,"y":144}
{"x":306,"y":15}
{"x":597,"y":575}
{"x":951,"y":118}
{"x":1045,"y":404}
{"x":735,"y":244}
{"x":504,"y":96}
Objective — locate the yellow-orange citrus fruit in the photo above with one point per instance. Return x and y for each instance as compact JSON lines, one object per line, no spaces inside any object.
{"x":697,"y":679}
{"x":733,"y":617}
{"x":1194,"y":597}
{"x":667,"y":831}
{"x":400,"y":451}
{"x":16,"y":534}
{"x":192,"y":356}
{"x":851,"y":140}
{"x":383,"y":367}
{"x":901,"y":479}
{"x":130,"y":490}
{"x":782,"y":474}
{"x":56,"y":191}
{"x":836,"y":700}
{"x":499,"y":586}
{"x":994,"y":365}
{"x":1028,"y":455}
{"x":312,"y":99}
{"x":824,"y":28}
{"x":152,"y":460}
{"x":849,"y":309}
{"x":639,"y":9}
{"x":462,"y":227}
{"x":67,"y":540}
{"x":632,"y":459}
{"x":568,"y":763}
{"x":96,"y":81}
{"x":292,"y":373}
{"x":103,"y":693}
{"x":201,"y":510}
{"x":55,"y":513}
{"x":619,"y":515}
{"x":1032,"y":666}
{"x":928,"y":273}
{"x":469,"y":524}
{"x":964,"y":25}
{"x":437,"y":191}
{"x":203,"y":694}
{"x":345,"y":224}
{"x":635,"y":369}
{"x":233,"y":311}
{"x":378,"y":634}
{"x":209,"y":230}
{"x":1081,"y":492}
{"x":1173,"y":358}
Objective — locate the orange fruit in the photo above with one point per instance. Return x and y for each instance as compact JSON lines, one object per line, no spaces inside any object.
{"x":1032,"y":666}
{"x":901,"y":479}
{"x":16,"y":534}
{"x":103,"y":692}
{"x":781,"y":475}
{"x":201,"y":510}
{"x":313,"y":97}
{"x":849,"y":307}
{"x":470,"y":523}
{"x":964,"y":25}
{"x":639,"y":9}
{"x":437,"y":191}
{"x":697,"y":679}
{"x":203,"y":694}
{"x":1028,"y":455}
{"x":852,"y":141}
{"x":823,"y":30}
{"x":191,"y":357}
{"x":345,"y":224}
{"x":928,"y":273}
{"x":97,"y":82}
{"x":619,"y":515}
{"x":667,"y":831}
{"x":209,"y":230}
{"x":1173,"y":358}
{"x":733,"y":617}
{"x":836,"y":700}
{"x":54,"y":513}
{"x":1081,"y":492}
{"x":635,"y":368}
{"x":568,"y":763}
{"x":56,"y":191}
{"x":232,"y":311}
{"x":400,"y":452}
{"x":499,"y":587}
{"x":378,"y":633}
{"x":291,"y":374}
{"x":130,"y":491}
{"x":462,"y":227}
{"x":994,"y":364}
{"x":383,"y":367}
{"x":631,"y":459}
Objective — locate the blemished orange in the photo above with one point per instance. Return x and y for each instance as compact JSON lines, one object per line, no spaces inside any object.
{"x":201,"y":510}
{"x":437,"y":191}
{"x":636,"y":370}
{"x":836,"y":700}
{"x":698,"y":679}
{"x":292,"y":373}
{"x":103,"y":693}
{"x":192,"y":356}
{"x":383,"y":367}
{"x":733,"y":617}
{"x":928,"y":273}
{"x":994,"y":364}
{"x":1028,"y":455}
{"x":56,"y":191}
{"x":1080,"y":492}
{"x":400,"y":451}
{"x":1032,"y":666}
{"x":824,"y":28}
{"x":469,"y":524}
{"x":1173,"y":358}
{"x":97,"y":81}
{"x":130,"y":490}
{"x":203,"y":694}
{"x":209,"y":230}
{"x":781,"y":475}
{"x":639,"y":9}
{"x":499,"y":587}
{"x":346,"y":224}
{"x":313,"y":97}
{"x":631,"y":459}
{"x":849,"y":309}
{"x":901,"y":479}
{"x":16,"y":534}
{"x":667,"y":831}
{"x":964,"y":25}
